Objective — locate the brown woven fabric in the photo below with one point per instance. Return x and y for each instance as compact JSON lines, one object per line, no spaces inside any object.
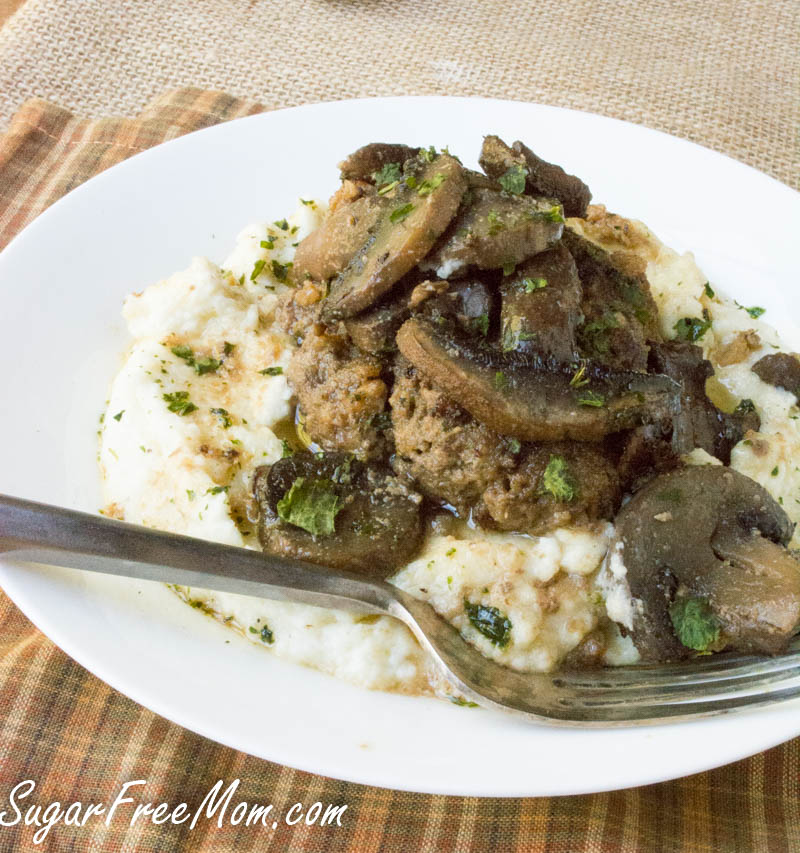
{"x":724,"y":73}
{"x":80,"y":740}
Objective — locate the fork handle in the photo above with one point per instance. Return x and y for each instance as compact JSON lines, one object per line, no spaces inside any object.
{"x":40,"y":533}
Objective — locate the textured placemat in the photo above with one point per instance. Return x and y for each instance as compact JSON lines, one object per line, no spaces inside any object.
{"x":80,"y":740}
{"x":725,"y":73}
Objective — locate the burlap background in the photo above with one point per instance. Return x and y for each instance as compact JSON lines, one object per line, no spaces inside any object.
{"x":720,"y":72}
{"x":724,"y":74}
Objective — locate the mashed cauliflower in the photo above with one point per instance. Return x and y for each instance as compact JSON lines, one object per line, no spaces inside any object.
{"x":202,"y":399}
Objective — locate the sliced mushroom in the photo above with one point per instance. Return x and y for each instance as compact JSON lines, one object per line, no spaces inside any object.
{"x":709,"y":535}
{"x":620,"y":314}
{"x":541,"y":306}
{"x":541,"y":177}
{"x":468,"y":302}
{"x":415,"y":215}
{"x":363,"y":163}
{"x":374,"y":330}
{"x":364,"y":519}
{"x":495,"y":231}
{"x":781,"y":370}
{"x":532,"y":397}
{"x":328,"y":249}
{"x":700,"y":423}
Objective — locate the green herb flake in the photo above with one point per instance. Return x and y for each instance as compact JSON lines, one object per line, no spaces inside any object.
{"x":264,"y":632}
{"x":692,"y":328}
{"x":431,"y":184}
{"x":774,"y":472}
{"x":258,"y":267}
{"x":286,"y":450}
{"x":400,"y":213}
{"x":514,"y":445}
{"x":745,"y":407}
{"x":217,"y":490}
{"x":532,"y":284}
{"x":206,"y":364}
{"x":450,"y":552}
{"x":308,"y":202}
{"x":223,"y":417}
{"x":709,"y":290}
{"x":490,"y":621}
{"x":267,"y":244}
{"x":411,"y":182}
{"x":179,"y":402}
{"x":694,"y":623}
{"x":557,"y":479}
{"x":280,"y":270}
{"x":463,"y":703}
{"x":509,"y":268}
{"x":496,"y":224}
{"x":500,"y":381}
{"x":228,"y":348}
{"x":389,"y":173}
{"x":480,"y":324}
{"x":755,"y":312}
{"x":119,"y":414}
{"x":282,"y":224}
{"x":190,"y":494}
{"x":184,"y":352}
{"x":579,"y":378}
{"x":555,"y":214}
{"x":513,"y":180}
{"x":590,"y":398}
{"x":387,"y":188}
{"x":276,"y":370}
{"x":428,"y":154}
{"x":310,"y":505}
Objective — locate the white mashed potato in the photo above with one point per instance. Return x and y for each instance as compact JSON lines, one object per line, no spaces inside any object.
{"x":178,"y":447}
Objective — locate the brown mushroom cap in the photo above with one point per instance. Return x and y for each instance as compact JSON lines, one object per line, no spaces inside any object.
{"x":378,"y":526}
{"x":363,"y":163}
{"x":712,"y":533}
{"x":411,"y":221}
{"x":532,"y":397}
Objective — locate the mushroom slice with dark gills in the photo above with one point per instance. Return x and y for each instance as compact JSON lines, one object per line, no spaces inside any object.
{"x":541,"y":306}
{"x":328,"y":249}
{"x":495,"y":230}
{"x":700,"y":423}
{"x":376,"y":159}
{"x":781,"y":370}
{"x":333,"y":510}
{"x":414,"y":214}
{"x":520,"y":170}
{"x":620,"y":315}
{"x":532,"y":397}
{"x":699,"y":563}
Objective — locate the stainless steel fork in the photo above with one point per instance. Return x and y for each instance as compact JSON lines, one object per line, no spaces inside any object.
{"x":39,"y":533}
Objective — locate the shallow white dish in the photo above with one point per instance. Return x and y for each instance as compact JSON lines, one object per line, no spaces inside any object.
{"x":63,"y":280}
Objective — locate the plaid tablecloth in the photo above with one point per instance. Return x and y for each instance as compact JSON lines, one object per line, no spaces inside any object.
{"x":731,"y":83}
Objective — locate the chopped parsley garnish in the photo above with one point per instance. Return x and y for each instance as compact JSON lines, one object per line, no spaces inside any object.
{"x":755,"y":312}
{"x":228,"y":348}
{"x":693,"y":328}
{"x":774,"y":471}
{"x":480,"y":324}
{"x":308,"y":202}
{"x":206,"y":364}
{"x":280,"y":270}
{"x":557,"y":479}
{"x":514,"y":445}
{"x":450,"y":552}
{"x":311,"y":505}
{"x":265,"y":633}
{"x":184,"y":352}
{"x":286,"y":450}
{"x":490,"y":621}
{"x":387,"y":188}
{"x":745,"y":407}
{"x":179,"y":402}
{"x":555,"y":214}
{"x":217,"y":490}
{"x":282,"y":224}
{"x":428,"y":154}
{"x":709,"y":290}
{"x":429,"y":185}
{"x":500,"y":381}
{"x":457,"y":700}
{"x":258,"y":268}
{"x":223,"y":416}
{"x":496,"y":224}
{"x":267,"y":244}
{"x":509,"y":268}
{"x":389,"y":173}
{"x":579,"y":378}
{"x":531,"y":284}
{"x":119,"y":414}
{"x":400,"y":213}
{"x":411,"y":182}
{"x":190,"y":494}
{"x":694,"y":623}
{"x":277,"y":370}
{"x":590,"y":398}
{"x":513,"y":180}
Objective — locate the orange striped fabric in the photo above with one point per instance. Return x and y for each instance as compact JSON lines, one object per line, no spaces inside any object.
{"x":80,"y":740}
